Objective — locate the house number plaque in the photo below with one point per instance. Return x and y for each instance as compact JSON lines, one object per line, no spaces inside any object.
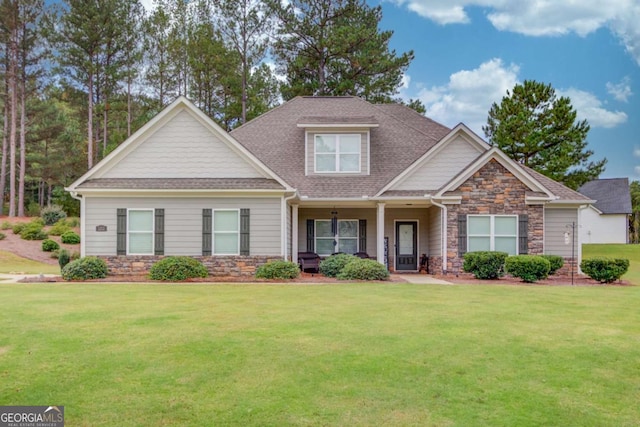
{"x":101,"y":228}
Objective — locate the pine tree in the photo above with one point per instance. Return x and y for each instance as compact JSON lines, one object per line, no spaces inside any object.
{"x":539,"y":130}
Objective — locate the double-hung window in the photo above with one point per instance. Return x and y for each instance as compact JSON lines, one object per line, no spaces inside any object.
{"x":492,"y":233}
{"x":337,"y":153}
{"x":226,"y":232}
{"x":140,"y":232}
{"x":346,"y":237}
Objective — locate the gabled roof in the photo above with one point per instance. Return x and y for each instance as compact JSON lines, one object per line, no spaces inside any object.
{"x":97,"y":177}
{"x":612,"y":195}
{"x":401,"y":137}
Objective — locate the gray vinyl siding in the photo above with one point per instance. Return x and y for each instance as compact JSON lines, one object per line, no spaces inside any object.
{"x":434,"y":231}
{"x":556,"y":223}
{"x":183,"y":148}
{"x":183,"y":222}
{"x":364,"y":153}
{"x":442,"y":167}
{"x":322,"y":213}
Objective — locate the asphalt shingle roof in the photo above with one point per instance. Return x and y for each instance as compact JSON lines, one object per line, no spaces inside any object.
{"x":401,"y":138}
{"x":612,"y":195}
{"x":559,"y":190}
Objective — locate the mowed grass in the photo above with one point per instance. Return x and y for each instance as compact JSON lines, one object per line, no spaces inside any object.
{"x":10,"y":263}
{"x":325,"y":355}
{"x":631,"y":252}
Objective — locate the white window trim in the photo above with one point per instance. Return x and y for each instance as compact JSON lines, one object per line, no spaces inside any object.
{"x":337,"y":237}
{"x":214,"y":232}
{"x":337,"y":153}
{"x":492,"y":234}
{"x":153,"y":228}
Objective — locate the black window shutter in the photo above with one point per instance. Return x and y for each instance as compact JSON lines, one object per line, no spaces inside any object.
{"x":462,"y":234}
{"x":159,"y":232}
{"x":206,"y":232}
{"x":121,"y":232}
{"x":244,"y":231}
{"x":523,"y":233}
{"x":311,"y":230}
{"x":362,"y":244}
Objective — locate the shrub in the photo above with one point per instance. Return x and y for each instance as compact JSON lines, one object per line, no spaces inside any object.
{"x":73,"y":221}
{"x":63,"y":258}
{"x":363,"y":269}
{"x":529,"y":268}
{"x":49,"y":245}
{"x":75,"y":255}
{"x":485,"y":264}
{"x":175,"y":268}
{"x":52,"y":214}
{"x":89,"y":267}
{"x":331,"y":266}
{"x":59,"y":228}
{"x":70,"y":238}
{"x":555,"y":261}
{"x":33,"y":231}
{"x":17,"y":228}
{"x":33,"y":209}
{"x":278,"y":270}
{"x":5,"y":225}
{"x":605,"y":270}
{"x":3,"y":236}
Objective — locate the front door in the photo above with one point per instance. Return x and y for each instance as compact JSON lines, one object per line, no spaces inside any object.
{"x":406,"y":246}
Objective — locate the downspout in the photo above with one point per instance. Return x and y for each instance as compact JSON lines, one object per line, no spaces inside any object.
{"x":444,"y":234}
{"x":74,"y":194}
{"x":284,"y":223}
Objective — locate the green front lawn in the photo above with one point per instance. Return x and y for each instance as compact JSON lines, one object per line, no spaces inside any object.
{"x":10,"y":263}
{"x":330,"y":355}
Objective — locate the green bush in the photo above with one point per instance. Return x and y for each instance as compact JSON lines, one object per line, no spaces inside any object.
{"x":75,"y":255}
{"x":49,"y":245}
{"x":33,"y":231}
{"x":70,"y":238}
{"x":175,"y":268}
{"x":5,"y":225}
{"x":17,"y":228}
{"x":89,"y":267}
{"x":59,"y":228}
{"x":529,"y":268}
{"x":52,"y":214}
{"x":33,"y":209}
{"x":74,"y":221}
{"x":363,"y":269}
{"x":3,"y":236}
{"x":605,"y":270}
{"x":485,"y":264}
{"x":63,"y":258}
{"x":331,"y":266}
{"x":278,"y":270}
{"x":555,"y":262}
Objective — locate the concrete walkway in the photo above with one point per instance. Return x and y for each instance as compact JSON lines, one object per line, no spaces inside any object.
{"x":15,"y":278}
{"x":422,"y":279}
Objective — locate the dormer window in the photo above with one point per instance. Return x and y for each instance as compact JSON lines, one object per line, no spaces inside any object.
{"x":337,"y":153}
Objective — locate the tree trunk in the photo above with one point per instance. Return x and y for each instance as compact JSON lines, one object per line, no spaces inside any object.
{"x":90,"y":124}
{"x":23,"y":144}
{"x":12,"y":122}
{"x":3,"y":167}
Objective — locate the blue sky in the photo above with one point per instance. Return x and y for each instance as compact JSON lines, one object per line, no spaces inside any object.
{"x":468,"y":53}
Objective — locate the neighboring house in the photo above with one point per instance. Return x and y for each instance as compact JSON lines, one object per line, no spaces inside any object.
{"x":607,"y":220}
{"x":317,"y":174}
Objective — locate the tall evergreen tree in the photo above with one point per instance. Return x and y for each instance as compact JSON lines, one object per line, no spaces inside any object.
{"x":334,"y":47}
{"x":539,"y":130}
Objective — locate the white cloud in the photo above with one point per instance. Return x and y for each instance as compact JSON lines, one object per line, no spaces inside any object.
{"x":620,"y":91}
{"x":637,"y":170}
{"x":469,"y":94}
{"x":542,"y":17}
{"x":589,"y":107}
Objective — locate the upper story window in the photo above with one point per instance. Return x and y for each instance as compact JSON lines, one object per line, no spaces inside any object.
{"x":337,"y":153}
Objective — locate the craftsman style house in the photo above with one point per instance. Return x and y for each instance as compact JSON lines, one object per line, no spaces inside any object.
{"x":316,"y":174}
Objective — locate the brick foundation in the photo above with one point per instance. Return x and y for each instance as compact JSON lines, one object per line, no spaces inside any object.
{"x":236,"y":266}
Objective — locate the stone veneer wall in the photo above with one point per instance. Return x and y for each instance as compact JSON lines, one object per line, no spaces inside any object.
{"x":492,"y":190}
{"x":238,"y":266}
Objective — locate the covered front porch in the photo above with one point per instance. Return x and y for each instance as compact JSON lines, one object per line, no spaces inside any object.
{"x":395,"y":233}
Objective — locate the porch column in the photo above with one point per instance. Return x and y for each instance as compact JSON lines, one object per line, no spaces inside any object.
{"x":380,"y":233}
{"x":294,"y":233}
